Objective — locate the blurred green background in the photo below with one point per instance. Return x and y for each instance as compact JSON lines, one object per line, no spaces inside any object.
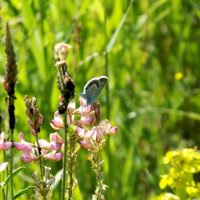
{"x":150,"y":50}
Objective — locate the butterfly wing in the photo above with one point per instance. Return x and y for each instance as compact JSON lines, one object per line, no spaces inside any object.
{"x":102,"y":83}
{"x":93,"y":88}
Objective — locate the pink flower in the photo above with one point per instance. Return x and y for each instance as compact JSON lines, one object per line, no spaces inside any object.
{"x":23,"y":145}
{"x":84,"y":133}
{"x":70,"y":111}
{"x":43,"y":144}
{"x":57,"y":121}
{"x":96,"y":134}
{"x":86,"y":144}
{"x":4,"y":145}
{"x":90,"y":115}
{"x":55,"y":141}
{"x":107,"y":127}
{"x":53,"y":156}
{"x":28,"y":156}
{"x":27,"y":148}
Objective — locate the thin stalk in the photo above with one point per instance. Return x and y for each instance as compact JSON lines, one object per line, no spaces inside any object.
{"x":11,"y":165}
{"x":65,"y":158}
{"x":39,"y":153}
{"x":107,"y":100}
{"x":7,"y":173}
{"x":70,"y":169}
{"x":98,"y":166}
{"x":106,"y":63}
{"x":4,"y":196}
{"x":98,"y":176}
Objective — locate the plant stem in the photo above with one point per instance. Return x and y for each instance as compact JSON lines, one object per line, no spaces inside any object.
{"x":98,"y":165}
{"x":39,"y":154}
{"x":107,"y":99}
{"x":11,"y":164}
{"x":4,"y":196}
{"x":70,"y":170}
{"x":71,"y":156}
{"x":65,"y":157}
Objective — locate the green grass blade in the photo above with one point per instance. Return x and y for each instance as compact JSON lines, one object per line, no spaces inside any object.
{"x":114,"y":37}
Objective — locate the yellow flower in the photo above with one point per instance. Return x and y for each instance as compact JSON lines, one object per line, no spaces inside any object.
{"x":192,"y":191}
{"x":178,"y":76}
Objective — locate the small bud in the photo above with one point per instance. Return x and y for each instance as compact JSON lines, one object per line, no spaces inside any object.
{"x":61,"y":51}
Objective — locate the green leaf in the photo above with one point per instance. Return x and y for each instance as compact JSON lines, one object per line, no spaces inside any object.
{"x":14,"y":173}
{"x":23,"y":191}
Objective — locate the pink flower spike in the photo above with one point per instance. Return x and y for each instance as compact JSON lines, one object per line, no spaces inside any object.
{"x":57,"y":122}
{"x":4,"y":145}
{"x":53,"y":156}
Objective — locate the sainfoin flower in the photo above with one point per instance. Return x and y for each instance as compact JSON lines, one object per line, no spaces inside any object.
{"x":58,"y":121}
{"x":48,"y":150}
{"x":55,"y":141}
{"x":23,"y":145}
{"x":96,"y":134}
{"x":53,"y":156}
{"x":27,"y":148}
{"x":3,"y":144}
{"x":89,"y":115}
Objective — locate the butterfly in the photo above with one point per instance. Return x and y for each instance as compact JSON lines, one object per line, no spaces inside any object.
{"x":93,"y":88}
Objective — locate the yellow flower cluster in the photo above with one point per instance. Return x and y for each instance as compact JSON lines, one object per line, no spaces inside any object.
{"x":183,"y":165}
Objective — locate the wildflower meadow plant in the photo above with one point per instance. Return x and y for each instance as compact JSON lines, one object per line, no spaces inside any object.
{"x":75,"y":128}
{"x":184,"y":166}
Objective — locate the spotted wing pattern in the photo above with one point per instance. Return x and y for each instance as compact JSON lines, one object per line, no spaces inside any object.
{"x":93,"y":88}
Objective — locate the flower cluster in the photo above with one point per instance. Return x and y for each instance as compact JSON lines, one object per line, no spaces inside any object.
{"x":184,"y":165}
{"x":91,"y":116}
{"x":42,"y":149}
{"x":48,"y":149}
{"x":88,"y":127}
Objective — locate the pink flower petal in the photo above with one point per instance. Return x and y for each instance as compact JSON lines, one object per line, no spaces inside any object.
{"x":86,"y":144}
{"x":23,"y":145}
{"x":5,"y":145}
{"x":28,"y":157}
{"x":53,"y":156}
{"x":57,"y":122}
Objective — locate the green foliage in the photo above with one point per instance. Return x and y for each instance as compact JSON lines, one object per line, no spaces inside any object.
{"x":155,"y":108}
{"x":184,"y":165}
